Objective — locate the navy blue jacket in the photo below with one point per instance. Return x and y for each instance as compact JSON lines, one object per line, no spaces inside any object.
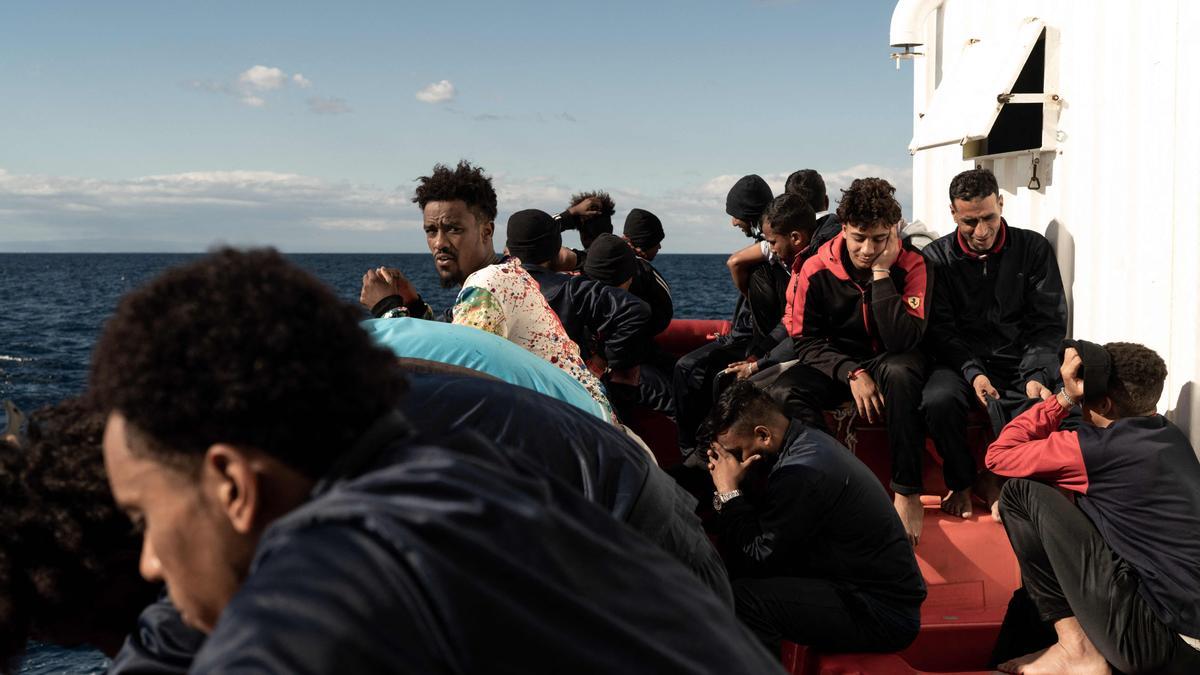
{"x":1001,"y":314}
{"x":593,"y":312}
{"x":452,"y":562}
{"x":824,"y":515}
{"x":569,"y":453}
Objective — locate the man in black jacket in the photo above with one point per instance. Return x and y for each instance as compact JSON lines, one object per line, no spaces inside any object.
{"x":821,"y":559}
{"x":998,"y":316}
{"x":603,"y":320}
{"x":611,"y":261}
{"x":696,"y":373}
{"x":856,"y":313}
{"x":339,"y":544}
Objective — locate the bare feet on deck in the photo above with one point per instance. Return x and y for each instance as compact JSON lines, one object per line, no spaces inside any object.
{"x":958,"y":503}
{"x":912,"y":515}
{"x":1073,"y":654}
{"x":987,"y":487}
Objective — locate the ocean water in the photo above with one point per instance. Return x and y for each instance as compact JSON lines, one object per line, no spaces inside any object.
{"x":52,"y":307}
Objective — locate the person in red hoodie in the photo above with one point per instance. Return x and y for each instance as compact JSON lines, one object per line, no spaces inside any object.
{"x":856,"y":313}
{"x":1117,"y":573}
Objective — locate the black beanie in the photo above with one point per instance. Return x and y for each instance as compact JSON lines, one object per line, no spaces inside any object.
{"x":533,"y":236}
{"x":643,"y":229}
{"x":748,"y":198}
{"x":1096,"y":371}
{"x":610,"y":260}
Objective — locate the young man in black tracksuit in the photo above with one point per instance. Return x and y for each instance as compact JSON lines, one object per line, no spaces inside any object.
{"x":1117,"y":572}
{"x":820,"y":558}
{"x":644,"y":232}
{"x":696,"y":373}
{"x":856,"y":313}
{"x":600,"y":319}
{"x":999,"y":314}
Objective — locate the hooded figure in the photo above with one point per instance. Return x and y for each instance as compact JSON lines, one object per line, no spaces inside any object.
{"x":645,"y":231}
{"x":747,"y":201}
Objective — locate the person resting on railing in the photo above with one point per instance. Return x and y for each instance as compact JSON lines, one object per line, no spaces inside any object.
{"x":1117,"y":572}
{"x":696,"y":379}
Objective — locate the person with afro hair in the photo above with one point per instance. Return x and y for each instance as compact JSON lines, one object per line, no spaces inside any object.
{"x":68,"y":555}
{"x":1115,"y":567}
{"x":498,"y":295}
{"x":856,"y":314}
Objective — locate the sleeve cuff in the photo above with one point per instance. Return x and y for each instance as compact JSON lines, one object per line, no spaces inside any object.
{"x":386,"y":305}
{"x":844,"y":369}
{"x":972,"y":371}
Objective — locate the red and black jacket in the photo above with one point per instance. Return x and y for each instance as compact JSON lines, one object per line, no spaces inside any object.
{"x":837,"y":322}
{"x":1137,"y":480}
{"x":1002,"y":313}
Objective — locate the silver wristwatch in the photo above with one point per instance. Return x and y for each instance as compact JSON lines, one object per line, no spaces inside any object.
{"x":719,"y":498}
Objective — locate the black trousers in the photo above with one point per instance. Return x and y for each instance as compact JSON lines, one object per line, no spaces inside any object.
{"x":946,"y":400}
{"x":822,"y":614}
{"x":697,"y":385}
{"x":805,"y":391}
{"x":1069,"y":570}
{"x":654,"y":391}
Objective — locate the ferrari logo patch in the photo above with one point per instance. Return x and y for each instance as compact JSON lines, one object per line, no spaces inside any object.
{"x":914,"y":301}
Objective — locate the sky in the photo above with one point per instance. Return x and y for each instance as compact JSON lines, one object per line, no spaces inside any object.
{"x":174,"y":126}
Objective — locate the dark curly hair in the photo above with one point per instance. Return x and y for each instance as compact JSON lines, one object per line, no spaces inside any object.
{"x":742,"y":404}
{"x":868,"y":203}
{"x":68,"y":556}
{"x":464,"y":182}
{"x":974,"y":184}
{"x":1138,"y":374}
{"x":243,"y":347}
{"x":790,"y":213}
{"x":809,"y":186}
{"x":607,"y":206}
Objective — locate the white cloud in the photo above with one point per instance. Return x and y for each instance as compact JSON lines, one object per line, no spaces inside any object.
{"x":189,"y":211}
{"x":262,"y":78}
{"x":252,"y":86}
{"x":327,"y":106}
{"x":437,"y":92}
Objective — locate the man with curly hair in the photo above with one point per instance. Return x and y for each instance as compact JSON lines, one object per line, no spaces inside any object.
{"x":68,"y":556}
{"x":252,"y":433}
{"x":591,"y":213}
{"x":856,"y":313}
{"x":498,"y":295}
{"x":1117,"y":572}
{"x":999,"y":313}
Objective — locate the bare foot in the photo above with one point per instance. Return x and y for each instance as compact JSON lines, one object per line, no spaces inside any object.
{"x":987,"y":487}
{"x":1059,"y":660}
{"x":912,"y":515}
{"x":958,"y":503}
{"x":996,"y":512}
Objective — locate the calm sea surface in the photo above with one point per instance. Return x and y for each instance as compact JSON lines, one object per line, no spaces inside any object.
{"x":52,"y":307}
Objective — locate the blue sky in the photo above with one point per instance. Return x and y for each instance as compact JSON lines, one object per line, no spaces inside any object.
{"x":170,"y":126}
